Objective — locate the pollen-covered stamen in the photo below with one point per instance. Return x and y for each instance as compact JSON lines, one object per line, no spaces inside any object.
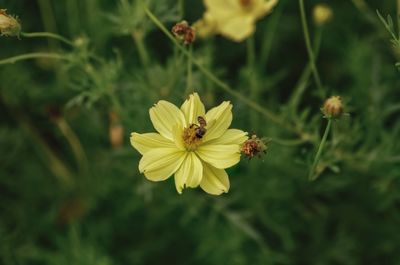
{"x":190,"y":139}
{"x":192,"y":135}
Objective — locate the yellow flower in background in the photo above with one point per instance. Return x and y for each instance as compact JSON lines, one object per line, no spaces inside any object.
{"x":322,"y":14}
{"x":194,"y":145}
{"x":234,"y":19}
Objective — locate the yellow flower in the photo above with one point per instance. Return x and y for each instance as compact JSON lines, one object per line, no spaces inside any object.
{"x":196,"y":150}
{"x":234,"y":19}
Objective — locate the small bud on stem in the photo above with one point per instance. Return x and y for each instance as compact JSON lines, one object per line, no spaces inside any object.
{"x":254,"y":146}
{"x":183,"y":32}
{"x":322,"y":14}
{"x":333,"y":107}
{"x":9,"y":25}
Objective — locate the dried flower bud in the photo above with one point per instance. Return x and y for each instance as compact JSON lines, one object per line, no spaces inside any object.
{"x":254,"y":146}
{"x":322,"y":14}
{"x":183,"y":32}
{"x":116,"y":131}
{"x":333,"y":107}
{"x":9,"y":25}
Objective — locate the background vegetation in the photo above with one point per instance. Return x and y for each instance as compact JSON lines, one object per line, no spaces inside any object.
{"x":69,"y":196}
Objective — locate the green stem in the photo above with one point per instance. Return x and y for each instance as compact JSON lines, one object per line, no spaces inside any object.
{"x":266,"y":45}
{"x":267,"y":113}
{"x":398,"y":17}
{"x":181,"y":4}
{"x":189,"y":83}
{"x":75,"y":145}
{"x":310,"y":52}
{"x":73,"y":14}
{"x":48,"y":19}
{"x":288,"y":143}
{"x":47,"y":35}
{"x":35,"y":55}
{"x":303,"y":80}
{"x":311,"y":175}
{"x":251,"y":53}
{"x":251,"y":68}
{"x":143,"y":55}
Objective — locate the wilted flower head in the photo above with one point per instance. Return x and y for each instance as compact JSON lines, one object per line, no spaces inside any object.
{"x":322,"y":14}
{"x":9,"y":25}
{"x":191,"y":143}
{"x":254,"y":146}
{"x":234,"y":19}
{"x":183,"y":32}
{"x":115,"y":131}
{"x":333,"y":107}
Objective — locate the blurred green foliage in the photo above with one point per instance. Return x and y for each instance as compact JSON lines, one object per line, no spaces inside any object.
{"x":68,"y":197}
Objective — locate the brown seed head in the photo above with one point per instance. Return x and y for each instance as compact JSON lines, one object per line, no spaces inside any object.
{"x":183,"y":32}
{"x":254,"y":147}
{"x":333,"y":107}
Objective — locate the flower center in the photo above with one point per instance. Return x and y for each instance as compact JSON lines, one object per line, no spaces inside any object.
{"x":193,"y":135}
{"x":246,"y":3}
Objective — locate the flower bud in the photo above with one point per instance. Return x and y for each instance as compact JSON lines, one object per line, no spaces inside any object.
{"x":254,"y":146}
{"x":322,"y":14}
{"x":116,"y":131}
{"x":9,"y":25}
{"x":333,"y":107}
{"x":183,"y":32}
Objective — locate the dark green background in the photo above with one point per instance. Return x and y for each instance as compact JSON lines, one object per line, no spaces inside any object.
{"x":108,"y":213}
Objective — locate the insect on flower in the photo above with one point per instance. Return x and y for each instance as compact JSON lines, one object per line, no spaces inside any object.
{"x":201,"y":130}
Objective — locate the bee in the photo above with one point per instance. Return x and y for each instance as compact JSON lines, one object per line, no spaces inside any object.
{"x":201,"y":130}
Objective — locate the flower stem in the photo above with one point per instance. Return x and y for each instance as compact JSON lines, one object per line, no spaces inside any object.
{"x":75,"y":144}
{"x":189,"y":82}
{"x":181,"y":6}
{"x":47,"y":35}
{"x":137,"y":37}
{"x":398,"y":17}
{"x":311,"y":175}
{"x":302,"y":83}
{"x":321,"y":91}
{"x":34,"y":55}
{"x":267,"y":113}
{"x":48,"y":19}
{"x":251,"y":55}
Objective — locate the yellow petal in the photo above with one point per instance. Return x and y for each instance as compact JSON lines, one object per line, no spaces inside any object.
{"x":222,"y":7}
{"x":206,"y":26}
{"x":190,"y":173}
{"x":159,"y":164}
{"x":177,"y":133}
{"x":147,"y":141}
{"x":164,"y":115}
{"x":215,"y":181}
{"x":231,"y":136}
{"x":223,"y":118}
{"x":193,"y":108}
{"x":237,"y":27}
{"x":219,"y":156}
